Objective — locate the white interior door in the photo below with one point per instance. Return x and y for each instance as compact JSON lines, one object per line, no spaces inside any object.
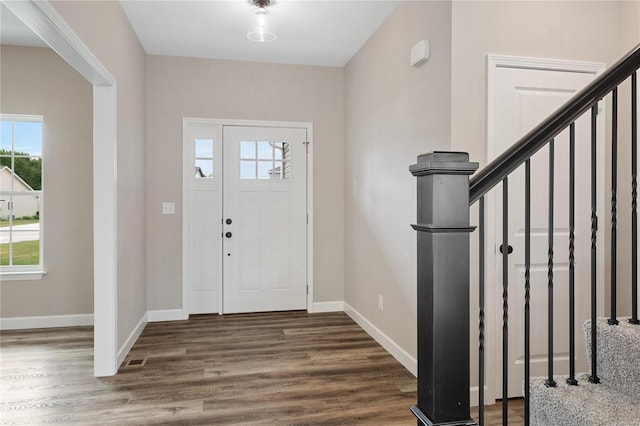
{"x":523,"y":98}
{"x":264,"y":244}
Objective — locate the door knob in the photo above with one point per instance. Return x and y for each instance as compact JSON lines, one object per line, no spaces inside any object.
{"x":228,"y":221}
{"x":509,"y":249}
{"x":228,"y":234}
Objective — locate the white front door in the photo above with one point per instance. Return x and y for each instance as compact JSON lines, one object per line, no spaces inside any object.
{"x":245,"y":218}
{"x":522,"y":99}
{"x":265,"y":219}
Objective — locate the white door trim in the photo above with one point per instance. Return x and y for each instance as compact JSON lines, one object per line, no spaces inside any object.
{"x":187,"y":121}
{"x":492,"y":344}
{"x":41,"y":17}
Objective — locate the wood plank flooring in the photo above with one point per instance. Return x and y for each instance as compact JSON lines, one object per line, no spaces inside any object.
{"x":275,"y":368}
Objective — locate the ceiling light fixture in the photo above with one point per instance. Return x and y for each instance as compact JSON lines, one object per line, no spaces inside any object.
{"x":261,"y":23}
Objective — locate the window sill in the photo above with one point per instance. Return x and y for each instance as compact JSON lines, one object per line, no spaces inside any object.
{"x":21,"y":275}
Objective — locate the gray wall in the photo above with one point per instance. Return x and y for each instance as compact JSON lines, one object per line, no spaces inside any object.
{"x":393,"y":112}
{"x":188,"y":87}
{"x":105,"y":29}
{"x":36,"y":81}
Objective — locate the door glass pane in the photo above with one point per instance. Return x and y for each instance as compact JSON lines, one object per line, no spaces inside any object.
{"x":204,"y":169}
{"x":265,"y":152}
{"x":204,"y":148}
{"x":286,"y":150}
{"x":5,"y":136}
{"x":276,"y":172}
{"x":277,"y":150}
{"x":28,"y":138}
{"x":248,"y":149}
{"x":265,"y":170}
{"x":247,"y":169}
{"x":286,"y":170}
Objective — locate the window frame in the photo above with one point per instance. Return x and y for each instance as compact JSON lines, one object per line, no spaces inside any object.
{"x":27,"y":272}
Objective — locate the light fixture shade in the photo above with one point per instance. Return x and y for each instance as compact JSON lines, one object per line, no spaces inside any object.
{"x":261,"y":27}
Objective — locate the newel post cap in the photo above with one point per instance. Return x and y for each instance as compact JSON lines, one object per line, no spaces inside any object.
{"x":443,"y":163}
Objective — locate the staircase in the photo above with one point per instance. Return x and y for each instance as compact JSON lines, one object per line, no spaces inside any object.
{"x":610,"y":393}
{"x":614,"y":401}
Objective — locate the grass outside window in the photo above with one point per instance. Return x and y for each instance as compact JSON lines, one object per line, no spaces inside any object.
{"x":24,"y":253}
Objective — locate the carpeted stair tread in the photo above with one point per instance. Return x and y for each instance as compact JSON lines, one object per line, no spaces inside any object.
{"x":618,"y":354}
{"x":584,"y":405}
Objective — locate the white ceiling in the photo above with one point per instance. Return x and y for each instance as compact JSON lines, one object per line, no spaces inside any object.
{"x":14,"y":32}
{"x":320,"y":32}
{"x":309,"y":32}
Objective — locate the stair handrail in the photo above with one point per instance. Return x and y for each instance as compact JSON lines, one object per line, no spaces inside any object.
{"x":539,"y":136}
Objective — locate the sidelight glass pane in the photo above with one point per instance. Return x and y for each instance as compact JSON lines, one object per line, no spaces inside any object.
{"x":204,"y":148}
{"x":204,"y":169}
{"x":265,"y":152}
{"x":247,"y":169}
{"x":248,"y":149}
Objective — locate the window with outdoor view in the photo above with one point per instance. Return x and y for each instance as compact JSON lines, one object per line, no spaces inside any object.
{"x":20,"y":193}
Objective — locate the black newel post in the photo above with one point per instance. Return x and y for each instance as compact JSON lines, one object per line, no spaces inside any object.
{"x":443,"y":288}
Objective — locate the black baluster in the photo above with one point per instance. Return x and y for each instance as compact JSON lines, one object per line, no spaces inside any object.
{"x":614,"y":212}
{"x":527,"y":287}
{"x":593,"y":378}
{"x":572,"y":307}
{"x":505,"y":301}
{"x":481,"y":319}
{"x":634,"y":202}
{"x":550,"y":383}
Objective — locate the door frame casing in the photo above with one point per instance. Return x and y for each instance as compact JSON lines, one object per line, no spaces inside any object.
{"x":492,"y":260}
{"x":186,"y":208}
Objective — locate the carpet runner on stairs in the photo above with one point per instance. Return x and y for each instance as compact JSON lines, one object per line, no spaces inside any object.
{"x":613,"y":402}
{"x":618,"y":354}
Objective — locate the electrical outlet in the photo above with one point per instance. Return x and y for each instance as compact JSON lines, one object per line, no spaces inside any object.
{"x":380,"y":302}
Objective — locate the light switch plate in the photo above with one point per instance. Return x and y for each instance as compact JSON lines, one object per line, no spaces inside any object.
{"x":168,"y":208}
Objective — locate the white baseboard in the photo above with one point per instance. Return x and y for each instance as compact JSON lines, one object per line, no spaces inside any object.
{"x":165,"y":315}
{"x":474,"y":395}
{"x":21,"y":323}
{"x":131,"y":340}
{"x":402,"y":356}
{"x":337,"y":306}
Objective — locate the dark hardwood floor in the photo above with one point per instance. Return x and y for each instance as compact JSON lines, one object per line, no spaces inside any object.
{"x":275,"y":368}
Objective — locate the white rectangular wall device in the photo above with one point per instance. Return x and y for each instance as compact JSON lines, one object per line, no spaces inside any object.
{"x":420,"y":53}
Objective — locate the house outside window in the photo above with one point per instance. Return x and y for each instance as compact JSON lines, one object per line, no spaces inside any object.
{"x":21,"y":195}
